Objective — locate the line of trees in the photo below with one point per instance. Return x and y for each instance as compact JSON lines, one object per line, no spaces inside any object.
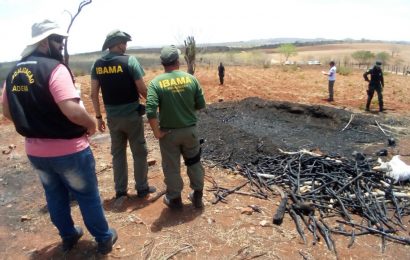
{"x":391,"y":62}
{"x":367,"y":57}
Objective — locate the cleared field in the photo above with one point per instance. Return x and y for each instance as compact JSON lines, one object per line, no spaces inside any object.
{"x":232,"y":230}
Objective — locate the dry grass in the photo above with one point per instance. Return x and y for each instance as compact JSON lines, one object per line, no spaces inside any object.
{"x":323,"y":53}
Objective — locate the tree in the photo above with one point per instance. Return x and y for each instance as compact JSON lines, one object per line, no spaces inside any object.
{"x":80,"y":7}
{"x":363,"y":57}
{"x":190,"y":53}
{"x":287,"y":50}
{"x":395,"y":50}
{"x":383,"y":57}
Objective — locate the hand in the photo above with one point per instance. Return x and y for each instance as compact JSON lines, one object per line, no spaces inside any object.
{"x":160,"y":134}
{"x":91,"y":130}
{"x":101,"y":125}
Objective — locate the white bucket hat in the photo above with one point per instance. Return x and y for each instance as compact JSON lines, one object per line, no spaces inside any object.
{"x":40,"y":31}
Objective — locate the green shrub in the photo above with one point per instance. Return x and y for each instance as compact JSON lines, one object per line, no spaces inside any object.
{"x":290,"y":68}
{"x":362,"y":106}
{"x":344,"y":70}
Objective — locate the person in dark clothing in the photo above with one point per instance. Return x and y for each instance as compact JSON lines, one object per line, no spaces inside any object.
{"x":376,"y":83}
{"x":221,"y":73}
{"x":120,"y":78}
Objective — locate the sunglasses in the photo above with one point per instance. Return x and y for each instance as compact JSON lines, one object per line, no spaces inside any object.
{"x":56,"y":38}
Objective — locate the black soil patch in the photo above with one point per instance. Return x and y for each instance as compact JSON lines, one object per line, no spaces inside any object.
{"x":238,"y":131}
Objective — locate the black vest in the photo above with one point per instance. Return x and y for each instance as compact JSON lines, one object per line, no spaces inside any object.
{"x":117,"y":84}
{"x":32,"y":107}
{"x":376,"y":75}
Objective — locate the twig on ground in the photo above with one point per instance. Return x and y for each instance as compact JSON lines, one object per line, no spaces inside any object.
{"x":104,"y":169}
{"x":157,"y":196}
{"x":384,"y":132}
{"x":240,"y":251}
{"x":147,"y":249}
{"x":348,"y":123}
{"x":187,"y":246}
{"x":257,"y":255}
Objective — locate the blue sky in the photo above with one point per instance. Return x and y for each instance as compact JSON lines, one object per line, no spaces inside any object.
{"x":161,"y":22}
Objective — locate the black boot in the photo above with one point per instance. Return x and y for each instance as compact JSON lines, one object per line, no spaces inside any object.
{"x":105,"y":247}
{"x":144,"y":193}
{"x":368,"y":104}
{"x":196,"y":198}
{"x":173,"y":203}
{"x":70,"y":242}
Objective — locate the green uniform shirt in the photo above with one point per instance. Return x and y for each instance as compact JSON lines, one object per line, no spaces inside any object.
{"x":178,"y":95}
{"x":137,"y":72}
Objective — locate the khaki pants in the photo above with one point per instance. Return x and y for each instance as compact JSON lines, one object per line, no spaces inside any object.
{"x":122,"y":130}
{"x":185,"y":142}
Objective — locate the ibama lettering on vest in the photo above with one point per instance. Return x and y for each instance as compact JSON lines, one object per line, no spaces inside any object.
{"x":109,"y":70}
{"x":175,"y":82}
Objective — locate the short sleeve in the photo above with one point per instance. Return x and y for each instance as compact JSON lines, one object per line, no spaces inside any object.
{"x":61,"y":85}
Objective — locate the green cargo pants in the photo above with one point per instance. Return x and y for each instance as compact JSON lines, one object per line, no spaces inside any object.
{"x":185,"y":142}
{"x":123,"y":129}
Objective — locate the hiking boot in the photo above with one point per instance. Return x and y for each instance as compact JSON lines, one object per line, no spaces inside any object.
{"x":71,"y":241}
{"x":120,"y":194}
{"x":173,"y":203}
{"x":106,"y":246}
{"x":196,"y":198}
{"x":144,"y":193}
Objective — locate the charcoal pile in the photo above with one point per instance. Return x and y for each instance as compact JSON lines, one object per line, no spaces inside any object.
{"x":328,"y":195}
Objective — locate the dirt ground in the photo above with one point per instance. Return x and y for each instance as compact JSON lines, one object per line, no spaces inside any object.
{"x":257,"y":110}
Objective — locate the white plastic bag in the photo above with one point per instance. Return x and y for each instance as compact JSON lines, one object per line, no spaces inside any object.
{"x":395,"y":168}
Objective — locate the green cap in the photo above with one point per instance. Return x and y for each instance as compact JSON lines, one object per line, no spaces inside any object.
{"x":378,"y":63}
{"x":169,"y":54}
{"x":114,"y":37}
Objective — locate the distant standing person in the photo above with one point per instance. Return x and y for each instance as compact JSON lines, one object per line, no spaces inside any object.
{"x":178,"y":95}
{"x":120,"y":78}
{"x":221,"y":73}
{"x":41,"y":100}
{"x":331,"y":74}
{"x":376,"y":83}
